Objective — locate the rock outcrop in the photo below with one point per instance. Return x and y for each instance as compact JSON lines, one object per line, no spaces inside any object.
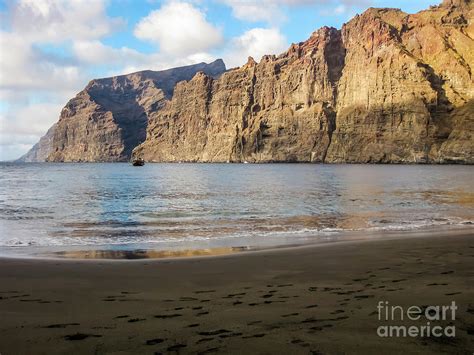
{"x":107,"y":119}
{"x":387,"y":88}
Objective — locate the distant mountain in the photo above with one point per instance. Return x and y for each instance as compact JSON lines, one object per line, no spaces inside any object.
{"x":389,"y":87}
{"x":41,"y":150}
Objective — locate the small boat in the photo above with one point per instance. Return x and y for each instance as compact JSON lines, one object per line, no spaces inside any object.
{"x":138,"y":162}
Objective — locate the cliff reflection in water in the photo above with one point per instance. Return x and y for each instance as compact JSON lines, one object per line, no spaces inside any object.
{"x":145,"y":254}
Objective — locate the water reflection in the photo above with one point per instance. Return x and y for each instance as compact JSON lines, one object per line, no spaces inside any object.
{"x":204,"y":206}
{"x":143,"y":253}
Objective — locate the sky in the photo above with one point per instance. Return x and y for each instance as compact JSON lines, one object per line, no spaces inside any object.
{"x":50,"y":49}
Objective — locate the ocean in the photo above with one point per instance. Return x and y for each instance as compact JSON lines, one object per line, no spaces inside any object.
{"x":102,"y":210}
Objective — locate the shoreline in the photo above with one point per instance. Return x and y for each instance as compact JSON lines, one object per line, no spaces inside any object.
{"x":360,"y":236}
{"x":320,"y":299}
{"x":395,"y":163}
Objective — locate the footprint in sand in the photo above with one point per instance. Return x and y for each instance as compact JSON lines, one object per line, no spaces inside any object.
{"x":154,"y":341}
{"x":215,"y":332}
{"x":176,"y":347}
{"x":134,"y":320}
{"x":399,"y":280}
{"x":81,"y":336}
{"x":61,"y":325}
{"x":320,"y":328}
{"x":166,"y":316}
{"x":260,"y":335}
{"x":290,"y":315}
{"x":188,"y":299}
{"x":300,"y":343}
{"x":204,"y":291}
{"x":208,"y":351}
{"x":232,"y":295}
{"x":363,"y":296}
{"x":230,"y":335}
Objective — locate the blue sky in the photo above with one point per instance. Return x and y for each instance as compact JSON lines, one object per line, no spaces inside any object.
{"x":50,"y":49}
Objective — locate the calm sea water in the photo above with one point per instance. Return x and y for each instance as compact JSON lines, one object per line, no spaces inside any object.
{"x":64,"y":207}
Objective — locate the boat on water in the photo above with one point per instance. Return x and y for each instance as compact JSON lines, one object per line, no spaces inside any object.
{"x":138,"y":162}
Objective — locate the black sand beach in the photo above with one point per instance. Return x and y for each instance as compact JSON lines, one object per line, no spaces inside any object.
{"x":312,"y":299}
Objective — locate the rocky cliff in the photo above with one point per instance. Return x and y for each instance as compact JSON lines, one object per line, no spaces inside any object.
{"x":388,"y":87}
{"x":107,"y":119}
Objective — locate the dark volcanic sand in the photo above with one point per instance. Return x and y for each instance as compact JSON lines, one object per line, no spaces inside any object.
{"x":312,"y":299}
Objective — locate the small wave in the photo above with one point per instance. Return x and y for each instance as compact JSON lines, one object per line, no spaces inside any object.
{"x":149,"y":237}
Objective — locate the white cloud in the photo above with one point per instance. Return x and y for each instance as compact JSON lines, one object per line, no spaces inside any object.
{"x":340,"y":9}
{"x":158,"y":61}
{"x":22,"y":126}
{"x":55,"y":21}
{"x":96,"y":53}
{"x":31,"y":120}
{"x":24,"y":68}
{"x":273,"y":11}
{"x":37,"y":74}
{"x":179,"y":28}
{"x":32,"y":24}
{"x":256,"y":43}
{"x":263,"y":10}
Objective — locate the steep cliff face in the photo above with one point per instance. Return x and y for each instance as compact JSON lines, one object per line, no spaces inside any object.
{"x":106,"y":120}
{"x":388,"y":87}
{"x":406,"y":87}
{"x":279,"y":109}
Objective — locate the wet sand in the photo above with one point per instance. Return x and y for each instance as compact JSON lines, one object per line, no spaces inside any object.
{"x":305,"y":300}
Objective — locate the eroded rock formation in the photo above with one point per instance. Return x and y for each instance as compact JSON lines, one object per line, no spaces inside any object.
{"x":388,"y":87}
{"x":107,"y":119}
